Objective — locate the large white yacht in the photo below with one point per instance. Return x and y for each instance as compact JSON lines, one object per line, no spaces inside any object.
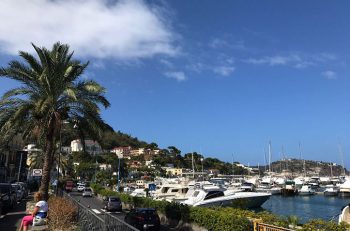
{"x":171,"y":192}
{"x":207,"y":196}
{"x":344,"y":189}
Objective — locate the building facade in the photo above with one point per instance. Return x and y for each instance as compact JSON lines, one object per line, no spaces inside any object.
{"x":92,"y":147}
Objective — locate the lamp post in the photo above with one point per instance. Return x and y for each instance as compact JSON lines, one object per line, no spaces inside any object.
{"x":120,"y":156}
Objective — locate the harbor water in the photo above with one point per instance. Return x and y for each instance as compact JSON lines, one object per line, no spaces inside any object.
{"x":307,"y":207}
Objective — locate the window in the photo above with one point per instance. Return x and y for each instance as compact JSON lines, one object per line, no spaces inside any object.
{"x":213,"y":194}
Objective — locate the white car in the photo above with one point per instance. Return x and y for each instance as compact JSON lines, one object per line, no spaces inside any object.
{"x":87,"y":192}
{"x":81,"y":187}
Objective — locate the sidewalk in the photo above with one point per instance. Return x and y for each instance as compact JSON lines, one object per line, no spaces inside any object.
{"x":12,"y":220}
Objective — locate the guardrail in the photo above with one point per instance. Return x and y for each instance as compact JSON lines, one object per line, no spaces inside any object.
{"x":89,"y":221}
{"x":266,"y":227}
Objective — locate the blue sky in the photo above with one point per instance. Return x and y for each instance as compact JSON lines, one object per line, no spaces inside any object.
{"x":218,"y":77}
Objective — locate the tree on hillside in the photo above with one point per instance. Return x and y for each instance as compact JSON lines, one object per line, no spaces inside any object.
{"x":50,"y":92}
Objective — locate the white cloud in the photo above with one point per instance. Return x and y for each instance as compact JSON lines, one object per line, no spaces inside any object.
{"x":178,"y":75}
{"x":275,"y":60}
{"x":224,"y":70}
{"x":125,"y":29}
{"x":294,"y":60}
{"x":166,"y":63}
{"x":222,"y":43}
{"x":331,"y":75}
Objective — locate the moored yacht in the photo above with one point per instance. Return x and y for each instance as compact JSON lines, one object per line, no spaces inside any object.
{"x":344,"y":189}
{"x":208,"y":196}
{"x":171,"y":192}
{"x":306,"y":190}
{"x":331,"y":190}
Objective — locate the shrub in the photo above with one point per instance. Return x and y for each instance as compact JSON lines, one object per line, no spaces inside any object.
{"x":321,"y":225}
{"x":62,"y":214}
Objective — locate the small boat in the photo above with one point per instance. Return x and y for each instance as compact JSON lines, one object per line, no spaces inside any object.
{"x":331,"y":190}
{"x":289,"y":189}
{"x":306,"y":190}
{"x":345,"y":215}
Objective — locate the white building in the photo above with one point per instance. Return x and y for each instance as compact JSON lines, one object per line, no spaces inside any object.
{"x":92,"y":147}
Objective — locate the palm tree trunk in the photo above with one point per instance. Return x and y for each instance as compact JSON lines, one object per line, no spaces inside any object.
{"x":48,"y":160}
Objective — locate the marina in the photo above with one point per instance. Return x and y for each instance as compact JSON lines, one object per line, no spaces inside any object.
{"x":307,"y":207}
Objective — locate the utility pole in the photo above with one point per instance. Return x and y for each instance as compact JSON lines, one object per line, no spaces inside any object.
{"x":118,"y":179}
{"x":192,"y":166}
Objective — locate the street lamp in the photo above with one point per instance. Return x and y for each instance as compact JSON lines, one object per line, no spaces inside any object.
{"x":120,"y":156}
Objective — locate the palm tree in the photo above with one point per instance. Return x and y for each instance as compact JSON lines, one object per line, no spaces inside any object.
{"x":50,"y":92}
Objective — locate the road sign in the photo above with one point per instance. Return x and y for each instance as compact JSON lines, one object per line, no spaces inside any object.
{"x":37,"y":172}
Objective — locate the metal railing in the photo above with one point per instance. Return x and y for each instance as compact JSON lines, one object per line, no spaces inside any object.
{"x":266,"y":227}
{"x":88,"y":220}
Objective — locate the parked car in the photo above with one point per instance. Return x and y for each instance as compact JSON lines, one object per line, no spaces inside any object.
{"x":87,"y":192}
{"x":143,"y":219}
{"x":81,"y":187}
{"x":113,"y":203}
{"x":19,"y":191}
{"x":8,"y":196}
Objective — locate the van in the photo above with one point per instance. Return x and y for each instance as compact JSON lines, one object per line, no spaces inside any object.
{"x":69,"y":186}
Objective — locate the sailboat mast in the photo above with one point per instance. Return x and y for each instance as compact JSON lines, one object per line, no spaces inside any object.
{"x":270,"y":156}
{"x":301,"y":155}
{"x":233,"y":167}
{"x":342,"y":158}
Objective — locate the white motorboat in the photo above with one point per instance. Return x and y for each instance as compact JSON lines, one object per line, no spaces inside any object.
{"x":344,"y":189}
{"x":306,"y":190}
{"x":331,"y":190}
{"x":208,"y":196}
{"x":171,"y":192}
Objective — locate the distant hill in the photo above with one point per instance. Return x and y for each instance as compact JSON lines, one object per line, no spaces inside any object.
{"x":296,"y":166}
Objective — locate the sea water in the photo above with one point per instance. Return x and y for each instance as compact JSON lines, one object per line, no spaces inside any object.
{"x":307,"y":207}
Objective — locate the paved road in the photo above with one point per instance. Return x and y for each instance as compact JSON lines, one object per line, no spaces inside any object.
{"x":96,"y":205}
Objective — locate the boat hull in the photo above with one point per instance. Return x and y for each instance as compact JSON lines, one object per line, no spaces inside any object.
{"x":240,"y":201}
{"x":289,"y":192}
{"x":330,"y":194}
{"x":301,"y":193}
{"x":344,"y":194}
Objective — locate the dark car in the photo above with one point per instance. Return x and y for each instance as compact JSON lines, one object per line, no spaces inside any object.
{"x":8,"y":196}
{"x":143,"y":219}
{"x":113,"y":203}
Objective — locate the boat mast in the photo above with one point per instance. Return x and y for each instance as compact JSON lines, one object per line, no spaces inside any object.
{"x":233,"y":167}
{"x":342,"y":157}
{"x":300,"y":152}
{"x":270,"y":156}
